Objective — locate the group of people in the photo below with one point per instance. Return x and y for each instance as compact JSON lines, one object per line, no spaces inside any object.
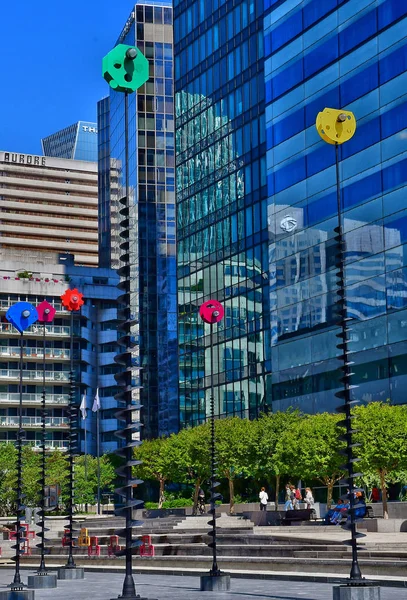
{"x":340,"y":513}
{"x":293,"y":498}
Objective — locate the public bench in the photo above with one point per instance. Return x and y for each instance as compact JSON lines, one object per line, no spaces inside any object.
{"x":303,"y":514}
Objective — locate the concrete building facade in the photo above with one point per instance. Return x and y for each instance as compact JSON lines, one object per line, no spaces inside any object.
{"x":49,"y":204}
{"x":95,"y":338}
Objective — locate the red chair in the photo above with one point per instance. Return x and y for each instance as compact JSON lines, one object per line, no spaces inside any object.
{"x":113,"y":546}
{"x":146,"y":548}
{"x":66,"y":538}
{"x":94,"y":548}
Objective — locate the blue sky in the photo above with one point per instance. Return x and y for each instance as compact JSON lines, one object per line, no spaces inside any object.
{"x":51,"y":60}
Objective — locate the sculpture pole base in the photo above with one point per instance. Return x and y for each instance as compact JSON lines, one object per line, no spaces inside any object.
{"x":356,"y":592}
{"x":42,"y":581}
{"x":69,"y":573}
{"x":17,"y":594}
{"x":215,"y":583}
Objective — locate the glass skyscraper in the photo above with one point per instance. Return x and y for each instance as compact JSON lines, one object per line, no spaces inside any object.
{"x":221,"y":204}
{"x":78,"y":142}
{"x":350,"y":55}
{"x":255,"y":224}
{"x":152,"y":222}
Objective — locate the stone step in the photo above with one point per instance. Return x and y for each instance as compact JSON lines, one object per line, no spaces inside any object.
{"x":369,"y":567}
{"x":201,"y":549}
{"x":224,"y":521}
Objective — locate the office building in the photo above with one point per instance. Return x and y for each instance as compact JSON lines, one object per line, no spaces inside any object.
{"x":152,"y":220}
{"x":49,"y":204}
{"x":77,"y":142}
{"x":281,"y":293}
{"x":221,"y":205}
{"x":345,"y":55}
{"x":95,"y":336}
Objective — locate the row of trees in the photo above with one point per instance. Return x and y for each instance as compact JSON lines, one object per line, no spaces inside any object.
{"x":283,"y":445}
{"x":57,"y":470}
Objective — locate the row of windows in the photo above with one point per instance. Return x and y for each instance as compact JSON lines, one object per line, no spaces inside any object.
{"x":366,"y":98}
{"x":211,"y":78}
{"x":226,"y":27}
{"x":278,"y":34}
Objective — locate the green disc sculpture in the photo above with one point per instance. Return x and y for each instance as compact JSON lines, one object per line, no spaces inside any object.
{"x":125,"y":68}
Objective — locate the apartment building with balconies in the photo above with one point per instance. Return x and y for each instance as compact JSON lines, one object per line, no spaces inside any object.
{"x":49,"y":204}
{"x":47,"y":276}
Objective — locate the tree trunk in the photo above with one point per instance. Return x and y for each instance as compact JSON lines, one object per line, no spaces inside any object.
{"x":161,"y":496}
{"x":277,"y":489}
{"x":384,"y":494}
{"x":231,"y":496}
{"x":196,"y":492}
{"x":329,"y":490}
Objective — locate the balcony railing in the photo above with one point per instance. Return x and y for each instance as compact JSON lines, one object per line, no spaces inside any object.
{"x":54,"y":422}
{"x":14,"y":351}
{"x":54,"y":330}
{"x":34,"y":398}
{"x":5,"y":305}
{"x":36,"y":444}
{"x":34,"y":375}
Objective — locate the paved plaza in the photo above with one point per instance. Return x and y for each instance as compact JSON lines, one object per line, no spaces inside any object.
{"x":107,"y":586}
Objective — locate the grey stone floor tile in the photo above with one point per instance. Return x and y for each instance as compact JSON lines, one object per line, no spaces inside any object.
{"x":107,"y":586}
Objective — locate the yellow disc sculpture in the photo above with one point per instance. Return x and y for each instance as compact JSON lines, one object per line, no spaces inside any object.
{"x":335,"y":126}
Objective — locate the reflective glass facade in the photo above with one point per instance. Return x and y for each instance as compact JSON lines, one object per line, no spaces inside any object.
{"x":352,"y":55}
{"x":152,"y":222}
{"x":221,"y":204}
{"x":259,"y":237}
{"x":78,"y":141}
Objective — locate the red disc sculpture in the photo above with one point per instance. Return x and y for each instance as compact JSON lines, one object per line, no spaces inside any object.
{"x":72,"y":299}
{"x":211,"y":311}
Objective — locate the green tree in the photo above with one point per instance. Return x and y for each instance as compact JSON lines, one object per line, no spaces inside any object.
{"x":268,"y":430}
{"x":310,"y":447}
{"x":382,"y":433}
{"x":31,"y":471}
{"x":190,"y":452}
{"x":86,"y":480}
{"x":8,"y":479}
{"x":157,"y":463}
{"x":57,"y":472}
{"x":235,"y":450}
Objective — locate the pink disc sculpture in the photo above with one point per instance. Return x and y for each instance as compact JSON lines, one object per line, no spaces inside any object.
{"x":211,"y":311}
{"x":46,"y":312}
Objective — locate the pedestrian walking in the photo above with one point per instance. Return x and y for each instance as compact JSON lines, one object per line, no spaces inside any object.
{"x":297,"y":498}
{"x":288,"y":501}
{"x":309,"y":498}
{"x":263,"y":499}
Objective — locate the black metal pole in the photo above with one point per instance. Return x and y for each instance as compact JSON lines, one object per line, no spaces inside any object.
{"x":42,"y":568}
{"x":17,"y":584}
{"x":72,"y":429}
{"x":129,"y":588}
{"x":98,"y":456}
{"x":355,"y":573}
{"x":214,"y":484}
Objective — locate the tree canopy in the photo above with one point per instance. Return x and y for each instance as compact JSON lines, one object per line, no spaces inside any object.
{"x":382,"y":434}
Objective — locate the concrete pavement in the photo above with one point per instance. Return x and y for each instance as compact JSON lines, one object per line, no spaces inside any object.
{"x":107,"y":586}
